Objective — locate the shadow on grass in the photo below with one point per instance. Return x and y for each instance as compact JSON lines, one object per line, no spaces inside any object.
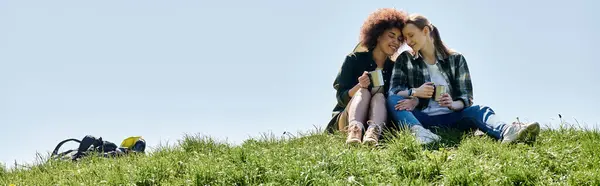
{"x":451,"y":137}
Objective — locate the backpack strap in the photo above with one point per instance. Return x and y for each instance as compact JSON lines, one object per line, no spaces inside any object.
{"x":55,"y":151}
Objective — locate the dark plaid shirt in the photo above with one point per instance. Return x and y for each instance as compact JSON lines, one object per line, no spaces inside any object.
{"x":411,"y":72}
{"x":352,"y":68}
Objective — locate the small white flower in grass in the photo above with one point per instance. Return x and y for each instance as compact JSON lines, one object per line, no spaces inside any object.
{"x":451,"y":157}
{"x":103,"y":181}
{"x":351,"y":179}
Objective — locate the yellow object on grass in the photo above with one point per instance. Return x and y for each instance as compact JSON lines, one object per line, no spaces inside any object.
{"x":130,"y":141}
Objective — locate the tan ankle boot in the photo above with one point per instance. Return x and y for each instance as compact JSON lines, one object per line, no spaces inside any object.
{"x":355,"y":130}
{"x":373,"y":133}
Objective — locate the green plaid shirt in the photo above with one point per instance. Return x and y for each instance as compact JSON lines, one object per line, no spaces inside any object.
{"x":411,"y":72}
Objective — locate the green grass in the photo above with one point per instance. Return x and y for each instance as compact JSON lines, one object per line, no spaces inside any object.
{"x":559,"y":157}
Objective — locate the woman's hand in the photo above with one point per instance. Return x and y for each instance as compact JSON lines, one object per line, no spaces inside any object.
{"x":424,"y":91}
{"x":446,"y":101}
{"x":407,"y":104}
{"x":364,"y":81}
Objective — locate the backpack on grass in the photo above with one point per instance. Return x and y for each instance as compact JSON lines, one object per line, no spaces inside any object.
{"x":90,"y":144}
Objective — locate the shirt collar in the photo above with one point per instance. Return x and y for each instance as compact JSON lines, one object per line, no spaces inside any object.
{"x":387,"y":60}
{"x":438,"y":55}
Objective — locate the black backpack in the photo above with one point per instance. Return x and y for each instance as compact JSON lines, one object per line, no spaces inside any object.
{"x":90,"y":144}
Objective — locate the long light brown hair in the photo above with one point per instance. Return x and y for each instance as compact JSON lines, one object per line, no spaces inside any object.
{"x":422,"y":22}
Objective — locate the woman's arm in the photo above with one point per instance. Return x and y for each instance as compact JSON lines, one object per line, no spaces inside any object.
{"x":403,"y":93}
{"x":353,"y":91}
{"x":346,"y":82}
{"x":463,"y":83}
{"x":399,"y":82}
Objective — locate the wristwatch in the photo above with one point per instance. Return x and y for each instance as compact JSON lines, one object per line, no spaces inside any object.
{"x":411,"y":92}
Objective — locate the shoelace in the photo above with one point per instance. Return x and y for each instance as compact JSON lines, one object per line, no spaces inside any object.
{"x":354,"y":128}
{"x":376,"y":127}
{"x":376,"y":131}
{"x":517,"y":125}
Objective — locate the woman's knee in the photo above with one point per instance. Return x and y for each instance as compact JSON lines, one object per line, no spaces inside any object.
{"x":392,"y":100}
{"x":363,"y":93}
{"x":378,"y":107}
{"x":378,"y":98}
{"x":478,"y":110}
{"x":360,"y":98}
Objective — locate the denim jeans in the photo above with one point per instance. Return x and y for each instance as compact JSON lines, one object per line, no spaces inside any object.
{"x":474,"y":117}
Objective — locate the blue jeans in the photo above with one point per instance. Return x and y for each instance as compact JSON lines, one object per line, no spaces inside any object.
{"x":474,"y":117}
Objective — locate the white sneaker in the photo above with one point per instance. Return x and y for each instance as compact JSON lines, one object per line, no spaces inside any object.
{"x":519,"y":132}
{"x":423,"y":135}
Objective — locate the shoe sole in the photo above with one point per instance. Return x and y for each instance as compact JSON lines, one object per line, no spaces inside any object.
{"x":353,"y":141}
{"x":370,"y":142}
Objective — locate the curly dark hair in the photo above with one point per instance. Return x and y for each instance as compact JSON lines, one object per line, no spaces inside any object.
{"x":378,"y":22}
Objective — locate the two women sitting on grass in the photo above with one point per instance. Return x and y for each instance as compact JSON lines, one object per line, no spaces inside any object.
{"x":429,"y":69}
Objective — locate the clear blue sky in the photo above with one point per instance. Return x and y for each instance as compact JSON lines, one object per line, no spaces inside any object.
{"x":235,"y":69}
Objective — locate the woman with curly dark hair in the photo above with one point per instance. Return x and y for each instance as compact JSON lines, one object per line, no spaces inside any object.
{"x":433,"y":89}
{"x":363,"y":80}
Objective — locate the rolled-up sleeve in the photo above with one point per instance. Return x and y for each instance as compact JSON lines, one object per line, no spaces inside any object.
{"x":399,"y":80}
{"x":345,"y":80}
{"x":463,"y":81}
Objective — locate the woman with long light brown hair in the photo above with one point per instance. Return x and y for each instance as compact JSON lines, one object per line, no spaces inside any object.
{"x":433,"y":89}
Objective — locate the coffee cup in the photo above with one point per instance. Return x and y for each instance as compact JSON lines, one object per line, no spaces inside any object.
{"x":439,"y":91}
{"x":376,"y":77}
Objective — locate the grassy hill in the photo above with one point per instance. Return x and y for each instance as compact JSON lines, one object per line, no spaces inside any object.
{"x":560,"y":156}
